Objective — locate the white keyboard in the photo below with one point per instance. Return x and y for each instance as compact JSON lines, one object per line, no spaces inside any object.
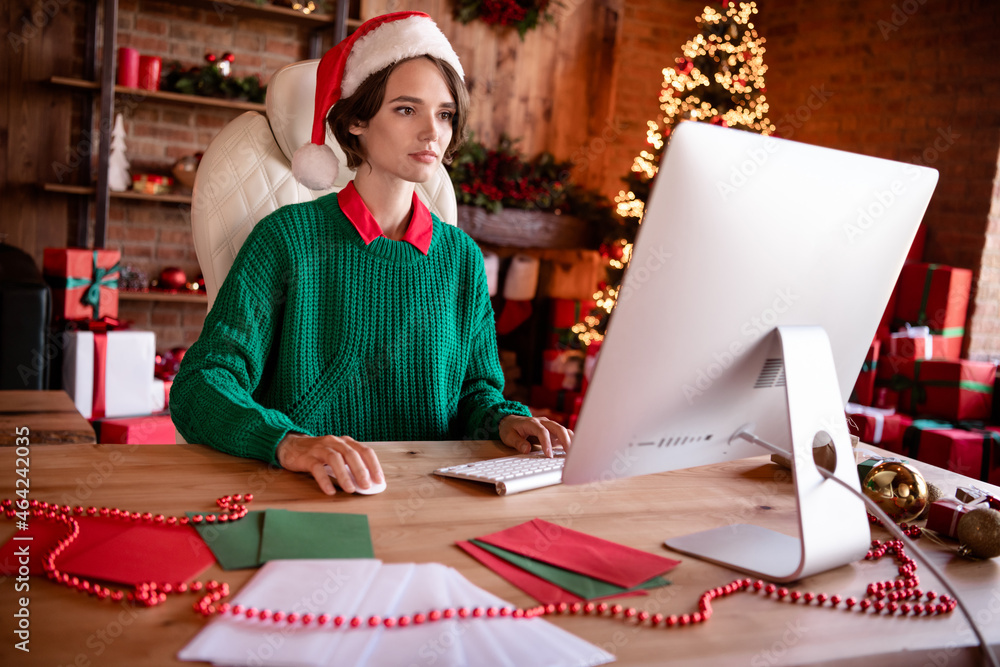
{"x":512,"y":474}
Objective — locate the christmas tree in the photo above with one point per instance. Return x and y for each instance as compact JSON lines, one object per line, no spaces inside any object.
{"x":118,"y":166}
{"x":719,"y":79}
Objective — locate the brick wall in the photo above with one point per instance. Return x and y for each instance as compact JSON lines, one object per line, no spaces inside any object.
{"x":151,"y":235}
{"x":905,"y":80}
{"x":650,"y":36}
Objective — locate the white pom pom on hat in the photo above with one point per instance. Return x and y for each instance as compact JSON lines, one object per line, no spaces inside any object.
{"x":376,"y":44}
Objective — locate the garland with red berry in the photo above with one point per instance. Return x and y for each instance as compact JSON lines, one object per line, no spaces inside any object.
{"x":524,"y":15}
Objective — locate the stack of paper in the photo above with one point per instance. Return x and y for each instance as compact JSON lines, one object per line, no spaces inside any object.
{"x":281,"y":534}
{"x":364,"y":588}
{"x":554,"y":564}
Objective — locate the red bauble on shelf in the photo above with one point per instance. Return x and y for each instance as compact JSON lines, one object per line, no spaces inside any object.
{"x":172,"y":278}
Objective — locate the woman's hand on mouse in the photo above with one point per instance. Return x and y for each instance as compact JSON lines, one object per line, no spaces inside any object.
{"x":518,"y":432}
{"x":344,"y":455}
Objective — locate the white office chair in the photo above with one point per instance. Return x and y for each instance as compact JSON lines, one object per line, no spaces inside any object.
{"x":246,"y":173}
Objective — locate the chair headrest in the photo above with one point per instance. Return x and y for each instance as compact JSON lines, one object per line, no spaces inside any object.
{"x":290,"y":102}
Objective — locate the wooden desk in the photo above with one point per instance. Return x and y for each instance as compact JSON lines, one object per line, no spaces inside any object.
{"x":51,"y":417}
{"x":419,"y":518}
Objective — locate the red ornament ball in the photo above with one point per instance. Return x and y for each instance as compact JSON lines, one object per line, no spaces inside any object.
{"x":172,"y":278}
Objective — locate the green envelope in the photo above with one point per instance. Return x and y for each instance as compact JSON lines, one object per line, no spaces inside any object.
{"x":290,"y":534}
{"x":581,"y":585}
{"x":236,"y":545}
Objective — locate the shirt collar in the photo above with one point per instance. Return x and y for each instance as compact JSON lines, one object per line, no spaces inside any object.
{"x":418,"y":232}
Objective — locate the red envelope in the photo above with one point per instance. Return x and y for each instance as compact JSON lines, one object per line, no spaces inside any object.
{"x":572,"y":550}
{"x":544,"y":591}
{"x":112,"y":550}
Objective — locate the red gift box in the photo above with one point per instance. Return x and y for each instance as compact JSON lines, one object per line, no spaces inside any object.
{"x":152,"y":430}
{"x":935,"y":296}
{"x":874,"y":428}
{"x":864,"y":386}
{"x":993,"y":474}
{"x":943,"y":516}
{"x":965,"y":451}
{"x":944,"y":389}
{"x":567,"y":312}
{"x":84,"y":282}
{"x":559,"y":400}
{"x":562,"y":369}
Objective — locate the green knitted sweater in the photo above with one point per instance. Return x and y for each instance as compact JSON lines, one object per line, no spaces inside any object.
{"x":317,"y":333}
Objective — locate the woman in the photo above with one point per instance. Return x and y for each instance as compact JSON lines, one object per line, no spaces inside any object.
{"x":359,"y":316}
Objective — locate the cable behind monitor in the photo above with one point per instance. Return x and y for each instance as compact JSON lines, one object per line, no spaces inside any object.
{"x":988,"y":656}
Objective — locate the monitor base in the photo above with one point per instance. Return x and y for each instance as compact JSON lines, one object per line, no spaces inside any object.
{"x":833,"y":524}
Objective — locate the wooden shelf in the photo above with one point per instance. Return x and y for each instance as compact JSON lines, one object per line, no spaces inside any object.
{"x":140,"y":94}
{"x":169,"y":297}
{"x":249,"y":8}
{"x":70,"y":82}
{"x":69,"y":189}
{"x":164,"y":199}
{"x":128,"y":194}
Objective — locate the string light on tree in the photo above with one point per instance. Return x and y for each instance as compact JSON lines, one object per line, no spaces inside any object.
{"x":719,"y":79}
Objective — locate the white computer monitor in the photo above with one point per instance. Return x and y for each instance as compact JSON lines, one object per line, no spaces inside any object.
{"x":757,"y":281}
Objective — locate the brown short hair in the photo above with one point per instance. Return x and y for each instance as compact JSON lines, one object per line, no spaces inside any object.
{"x":362,"y":106}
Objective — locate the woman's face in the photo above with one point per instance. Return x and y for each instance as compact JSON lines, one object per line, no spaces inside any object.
{"x":407,"y":137}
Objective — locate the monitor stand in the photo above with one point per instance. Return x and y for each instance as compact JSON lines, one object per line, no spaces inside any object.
{"x":832,"y":521}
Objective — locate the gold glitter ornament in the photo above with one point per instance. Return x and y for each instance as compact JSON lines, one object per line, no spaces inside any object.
{"x":898,"y":489}
{"x":979,"y":533}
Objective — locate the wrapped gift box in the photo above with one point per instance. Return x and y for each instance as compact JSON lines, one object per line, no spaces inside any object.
{"x":864,"y":386}
{"x":559,"y":400}
{"x":110,"y":374}
{"x":84,"y":282}
{"x":935,"y":296}
{"x":965,"y":451}
{"x":943,"y":516}
{"x":567,"y":312}
{"x":562,"y":369}
{"x":944,"y":389}
{"x":876,"y":426}
{"x":150,"y":430}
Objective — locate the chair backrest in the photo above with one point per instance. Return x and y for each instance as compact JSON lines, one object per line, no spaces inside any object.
{"x":246,"y":173}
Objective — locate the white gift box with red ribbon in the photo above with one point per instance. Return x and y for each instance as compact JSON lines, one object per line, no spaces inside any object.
{"x":110,"y":374}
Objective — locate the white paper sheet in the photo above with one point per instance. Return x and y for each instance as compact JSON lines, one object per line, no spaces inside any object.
{"x":365,"y":588}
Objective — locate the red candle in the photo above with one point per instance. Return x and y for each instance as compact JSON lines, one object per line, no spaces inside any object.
{"x":128,"y":67}
{"x":149,"y":72}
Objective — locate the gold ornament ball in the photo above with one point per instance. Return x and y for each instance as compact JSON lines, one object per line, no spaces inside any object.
{"x":898,"y":489}
{"x":979,"y":533}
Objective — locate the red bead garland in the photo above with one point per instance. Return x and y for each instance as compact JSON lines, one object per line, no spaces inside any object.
{"x":901,"y":595}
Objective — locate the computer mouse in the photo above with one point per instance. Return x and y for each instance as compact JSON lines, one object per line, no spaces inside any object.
{"x":376,"y":487}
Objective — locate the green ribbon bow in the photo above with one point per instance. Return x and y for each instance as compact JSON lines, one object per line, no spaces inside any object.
{"x":918,"y":387}
{"x":106,"y":278}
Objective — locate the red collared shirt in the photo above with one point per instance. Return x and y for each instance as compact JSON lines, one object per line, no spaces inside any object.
{"x":418,"y":232}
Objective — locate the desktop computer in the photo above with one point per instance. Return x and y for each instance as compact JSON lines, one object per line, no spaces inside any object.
{"x":758,"y":277}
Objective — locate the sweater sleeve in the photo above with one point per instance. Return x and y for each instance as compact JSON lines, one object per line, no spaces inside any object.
{"x":212,"y":398}
{"x":481,"y":404}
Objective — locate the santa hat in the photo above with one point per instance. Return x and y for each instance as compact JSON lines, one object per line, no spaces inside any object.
{"x":375,"y":45}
